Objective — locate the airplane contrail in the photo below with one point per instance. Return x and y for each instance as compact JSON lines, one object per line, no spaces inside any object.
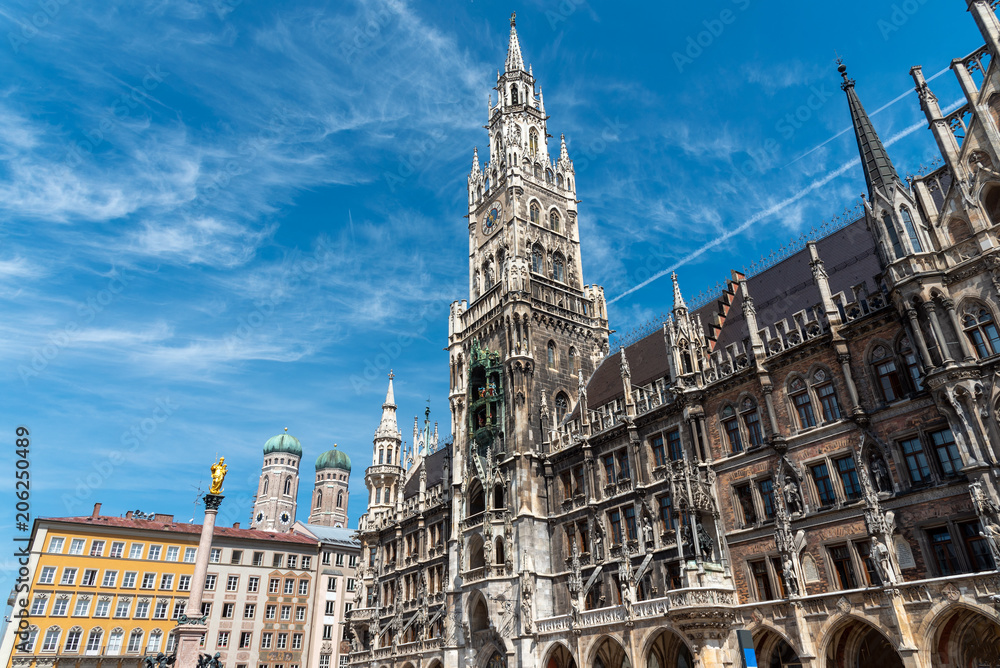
{"x":775,"y":208}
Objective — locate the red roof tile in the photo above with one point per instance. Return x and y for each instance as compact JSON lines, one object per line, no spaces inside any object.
{"x":182,"y":527}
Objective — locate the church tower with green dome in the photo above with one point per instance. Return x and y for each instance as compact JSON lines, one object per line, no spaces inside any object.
{"x":274,"y":505}
{"x":329,"y":499}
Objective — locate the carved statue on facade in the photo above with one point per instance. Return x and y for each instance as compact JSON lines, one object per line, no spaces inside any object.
{"x":527,"y":597}
{"x":598,"y":540}
{"x":706,"y":543}
{"x":793,"y":496}
{"x":879,"y":473}
{"x":883,"y":561}
{"x":989,"y":519}
{"x":219,"y":469}
{"x":788,"y":575}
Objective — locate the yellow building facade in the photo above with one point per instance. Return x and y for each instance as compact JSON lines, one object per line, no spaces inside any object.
{"x":100,"y":590}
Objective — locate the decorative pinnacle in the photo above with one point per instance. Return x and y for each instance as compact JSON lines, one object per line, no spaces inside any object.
{"x":678,"y":297}
{"x":391,"y":374}
{"x":286,"y":428}
{"x":513,"y":18}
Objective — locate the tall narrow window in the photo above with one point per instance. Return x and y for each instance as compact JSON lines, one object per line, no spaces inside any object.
{"x":732,"y":428}
{"x":558,"y":268}
{"x":911,"y":363}
{"x":911,"y":230}
{"x":551,"y":350}
{"x":745,"y":499}
{"x":615,"y":518}
{"x":659,"y":453}
{"x":947,"y":452}
{"x":666,"y":513}
{"x":533,"y":141}
{"x":916,"y":461}
{"x":751,"y":420}
{"x":537,"y":260}
{"x":535,"y":213}
{"x":976,"y":547}
{"x":890,"y":228}
{"x":944,"y":551}
{"x":889,"y":383}
{"x":864,"y":549}
{"x":766,"y":487}
{"x":843,"y":567}
{"x":803,"y":406}
{"x":630,"y":527}
{"x":849,"y":477}
{"x":562,"y":407}
{"x":674,"y":447}
{"x":554,"y":221}
{"x":824,"y":487}
{"x":288,"y":485}
{"x":761,"y":580}
{"x":828,"y":401}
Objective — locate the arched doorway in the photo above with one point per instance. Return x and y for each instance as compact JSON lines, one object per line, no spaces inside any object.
{"x":858,"y":644}
{"x":559,"y":657}
{"x":966,"y":638}
{"x":610,"y":654}
{"x":479,"y":616}
{"x":669,"y":651}
{"x":477,"y":555}
{"x":773,"y":651}
{"x":498,"y":660}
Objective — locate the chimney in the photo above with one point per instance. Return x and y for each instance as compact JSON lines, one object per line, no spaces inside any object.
{"x":97,"y":510}
{"x":236,"y":525}
{"x":128,"y":515}
{"x":159,"y":517}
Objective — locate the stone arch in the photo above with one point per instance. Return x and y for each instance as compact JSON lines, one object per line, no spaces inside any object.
{"x":958,"y":229}
{"x":773,"y":648}
{"x":960,"y":634}
{"x":499,"y":500}
{"x":477,"y":497}
{"x":478,"y":615}
{"x":665,"y":648}
{"x":499,"y":554}
{"x":477,"y":552}
{"x":435,"y":664}
{"x":558,"y":655}
{"x":991,"y":203}
{"x":608,"y":652}
{"x":853,"y":641}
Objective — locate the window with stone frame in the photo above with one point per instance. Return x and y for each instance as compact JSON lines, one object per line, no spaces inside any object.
{"x":848,"y":473}
{"x":535,"y":213}
{"x":745,"y":505}
{"x":943,"y":551}
{"x":798,"y":392}
{"x":537,"y":259}
{"x":911,"y":364}
{"x":766,"y":489}
{"x":761,"y":579}
{"x":731,"y":426}
{"x":869,"y":569}
{"x":824,"y":486}
{"x":751,"y":421}
{"x":843,"y":566}
{"x":659,"y":452}
{"x":674,"y":446}
{"x":889,"y":383}
{"x":981,"y":330}
{"x":917,"y":466}
{"x":562,"y":406}
{"x":667,"y":519}
{"x":976,"y":546}
{"x":554,"y":224}
{"x":615,"y":520}
{"x":829,"y":405}
{"x":948,"y":457}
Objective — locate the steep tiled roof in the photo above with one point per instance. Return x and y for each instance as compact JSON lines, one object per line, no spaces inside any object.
{"x":181,"y":527}
{"x":434,"y":463}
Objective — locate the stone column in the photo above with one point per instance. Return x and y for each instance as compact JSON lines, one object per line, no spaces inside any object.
{"x":931,"y":309}
{"x":963,"y":341}
{"x":852,"y":390}
{"x":189,"y":633}
{"x":918,"y":339}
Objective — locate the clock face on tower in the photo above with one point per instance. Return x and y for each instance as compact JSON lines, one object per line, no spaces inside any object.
{"x":492,"y":219}
{"x":285,"y":518}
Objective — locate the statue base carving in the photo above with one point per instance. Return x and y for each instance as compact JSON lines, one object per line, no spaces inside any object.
{"x":213,"y":501}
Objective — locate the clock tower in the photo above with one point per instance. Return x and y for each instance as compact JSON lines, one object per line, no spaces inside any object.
{"x":518,"y":346}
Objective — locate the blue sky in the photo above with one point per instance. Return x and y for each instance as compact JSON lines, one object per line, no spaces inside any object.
{"x":222,"y":218}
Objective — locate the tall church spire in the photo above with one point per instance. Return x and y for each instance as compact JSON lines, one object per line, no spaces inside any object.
{"x":514,"y":61}
{"x":879,"y":171}
{"x":679,"y":304}
{"x":388,"y":428}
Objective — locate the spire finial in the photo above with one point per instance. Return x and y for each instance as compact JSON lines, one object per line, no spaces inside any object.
{"x":513,"y":18}
{"x":286,"y":428}
{"x":879,"y":170}
{"x":678,"y":297}
{"x":514,"y":61}
{"x":391,"y":374}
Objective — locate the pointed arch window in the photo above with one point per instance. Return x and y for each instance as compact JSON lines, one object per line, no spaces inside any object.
{"x":911,"y":230}
{"x":897,"y":248}
{"x":538,"y":171}
{"x":535,"y":213}
{"x":551,"y":348}
{"x":548,"y":176}
{"x":340,"y":499}
{"x":319,"y":499}
{"x":513,"y":93}
{"x":264,"y":490}
{"x":554,"y":221}
{"x":959,"y":230}
{"x":558,"y":268}
{"x":562,"y":407}
{"x":572,"y":359}
{"x":559,"y":180}
{"x":981,"y":329}
{"x":992,"y":204}
{"x":532,"y":141}
{"x":537,"y":260}
{"x":288,"y":486}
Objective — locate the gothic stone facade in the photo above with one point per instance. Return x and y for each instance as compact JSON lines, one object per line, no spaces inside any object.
{"x":812,"y":457}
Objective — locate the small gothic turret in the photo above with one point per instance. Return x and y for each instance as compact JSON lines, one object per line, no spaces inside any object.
{"x":382,"y":477}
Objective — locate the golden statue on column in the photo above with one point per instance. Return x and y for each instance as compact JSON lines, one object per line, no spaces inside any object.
{"x":219,"y":469}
